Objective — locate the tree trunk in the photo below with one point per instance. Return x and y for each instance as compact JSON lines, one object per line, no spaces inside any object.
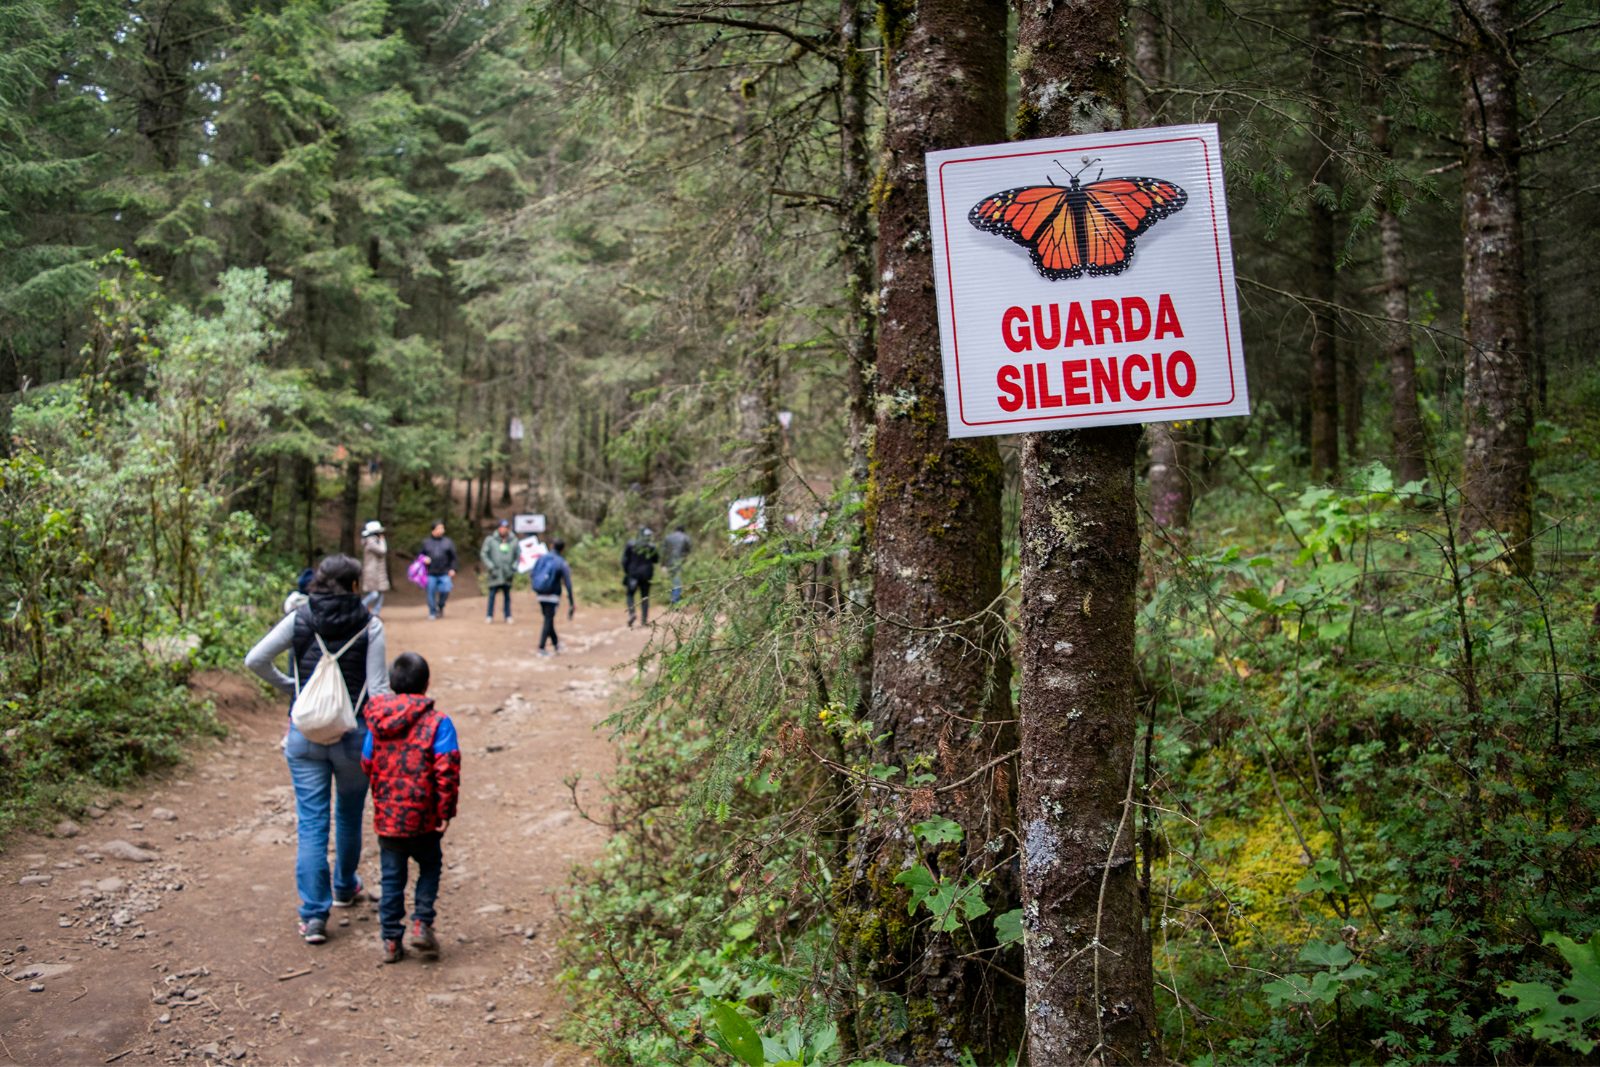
{"x":1496,"y":467}
{"x":1320,"y":288}
{"x":1171,"y":492}
{"x":941,"y":671}
{"x":1399,"y":356}
{"x":387,"y":478}
{"x":350,"y":507}
{"x":1090,"y":985}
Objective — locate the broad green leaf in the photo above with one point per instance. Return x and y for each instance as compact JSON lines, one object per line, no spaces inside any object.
{"x":738,"y":1035}
{"x":938,"y":830}
{"x":1008,"y":926}
{"x":1326,"y":955}
{"x":920,"y":881}
{"x":1568,"y":1015}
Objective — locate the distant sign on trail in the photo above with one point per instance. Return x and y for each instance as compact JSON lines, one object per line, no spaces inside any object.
{"x":747,"y":519}
{"x":527,"y":524}
{"x":1085,"y":281}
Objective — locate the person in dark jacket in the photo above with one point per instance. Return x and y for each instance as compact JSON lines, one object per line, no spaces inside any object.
{"x":441,"y":553}
{"x":414,"y":761}
{"x":639,"y":558}
{"x":499,"y":555}
{"x":322,"y":774}
{"x":550,"y":573}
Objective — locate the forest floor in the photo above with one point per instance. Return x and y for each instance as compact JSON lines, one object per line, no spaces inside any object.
{"x":162,"y":929}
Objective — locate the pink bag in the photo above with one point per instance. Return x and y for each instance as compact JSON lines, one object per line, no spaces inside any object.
{"x":418,"y":571}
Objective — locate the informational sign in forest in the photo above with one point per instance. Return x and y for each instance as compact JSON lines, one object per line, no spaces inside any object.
{"x":527,"y":524}
{"x":1085,"y":281}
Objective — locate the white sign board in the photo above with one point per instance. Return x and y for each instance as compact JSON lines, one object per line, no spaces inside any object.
{"x":1049,"y":319}
{"x":527,"y":524}
{"x":529,"y":549}
{"x":747,"y":518}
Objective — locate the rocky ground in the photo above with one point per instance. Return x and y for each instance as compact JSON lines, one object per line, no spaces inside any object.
{"x":161,"y":928}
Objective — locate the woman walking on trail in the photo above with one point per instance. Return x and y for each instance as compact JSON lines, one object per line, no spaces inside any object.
{"x":441,"y":553}
{"x":323,"y":774}
{"x":374,"y":567}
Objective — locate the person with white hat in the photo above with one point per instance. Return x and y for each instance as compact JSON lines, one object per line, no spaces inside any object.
{"x":374,"y":566}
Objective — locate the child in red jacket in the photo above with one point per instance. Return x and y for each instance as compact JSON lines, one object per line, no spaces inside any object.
{"x":414,"y":764}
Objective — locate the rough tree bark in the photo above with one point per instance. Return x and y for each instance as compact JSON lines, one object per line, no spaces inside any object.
{"x":1399,"y":356}
{"x":1090,"y":986}
{"x":1496,"y":467}
{"x":1320,"y":287}
{"x":941,"y":670}
{"x":1169,"y":444}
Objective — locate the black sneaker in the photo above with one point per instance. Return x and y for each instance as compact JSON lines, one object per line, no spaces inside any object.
{"x":393,"y":951}
{"x":315,"y":931}
{"x":422,"y":939}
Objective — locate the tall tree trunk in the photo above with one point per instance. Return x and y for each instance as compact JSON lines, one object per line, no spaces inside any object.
{"x":387,"y":477}
{"x":1496,"y":467}
{"x":856,"y":246}
{"x":1171,"y":491}
{"x":1320,"y":287}
{"x":350,"y":507}
{"x":1090,"y":985}
{"x":1399,"y":355}
{"x":941,"y":671}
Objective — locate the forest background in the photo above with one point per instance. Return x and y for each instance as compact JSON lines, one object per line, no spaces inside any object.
{"x":261,"y":259}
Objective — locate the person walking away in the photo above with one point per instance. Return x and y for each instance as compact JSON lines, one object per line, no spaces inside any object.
{"x":675,"y":549}
{"x":499,"y":557}
{"x":374,"y":566}
{"x":327,"y":777}
{"x":441,"y":553}
{"x":414,"y":761}
{"x":639,"y":559}
{"x":550,"y":572}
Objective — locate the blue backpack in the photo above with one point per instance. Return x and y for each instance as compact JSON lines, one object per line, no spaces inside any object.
{"x":546,"y":576}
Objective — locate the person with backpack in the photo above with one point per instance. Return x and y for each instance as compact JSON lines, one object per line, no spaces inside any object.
{"x":499,"y":556}
{"x":639,"y":559}
{"x":336,"y":651}
{"x":550,"y":572}
{"x":441,"y":553}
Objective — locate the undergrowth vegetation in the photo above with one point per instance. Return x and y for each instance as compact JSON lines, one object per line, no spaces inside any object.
{"x":123,"y":565}
{"x":1368,"y":785}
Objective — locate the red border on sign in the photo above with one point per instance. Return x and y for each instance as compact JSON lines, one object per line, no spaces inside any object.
{"x":1222,"y":285}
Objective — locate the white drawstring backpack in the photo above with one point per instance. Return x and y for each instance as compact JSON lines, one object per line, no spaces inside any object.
{"x":322,"y":710}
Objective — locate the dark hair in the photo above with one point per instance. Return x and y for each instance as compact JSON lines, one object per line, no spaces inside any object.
{"x":559,"y":546}
{"x":335,"y":574}
{"x":436,"y":523}
{"x":409,"y":674}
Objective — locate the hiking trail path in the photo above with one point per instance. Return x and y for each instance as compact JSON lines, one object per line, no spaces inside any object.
{"x":163,"y":929}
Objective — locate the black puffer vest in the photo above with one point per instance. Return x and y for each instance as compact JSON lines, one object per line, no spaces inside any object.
{"x":337,"y":617}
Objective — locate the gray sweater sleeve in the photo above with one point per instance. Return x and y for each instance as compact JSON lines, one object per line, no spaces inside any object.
{"x":377,"y":659}
{"x":279,"y":639}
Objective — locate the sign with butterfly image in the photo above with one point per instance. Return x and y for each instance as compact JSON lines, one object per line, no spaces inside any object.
{"x":1085,"y":281}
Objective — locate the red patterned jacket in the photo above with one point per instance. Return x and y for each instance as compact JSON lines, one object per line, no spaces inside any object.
{"x":413,"y":761}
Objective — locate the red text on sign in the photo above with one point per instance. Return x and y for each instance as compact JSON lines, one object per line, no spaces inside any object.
{"x":1125,"y":321}
{"x":1095,"y":380}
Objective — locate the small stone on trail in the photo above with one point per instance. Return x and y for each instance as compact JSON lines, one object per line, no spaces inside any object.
{"x":110,"y":885}
{"x":491,"y":909}
{"x":164,"y":1017}
{"x":35,"y":879}
{"x":37,"y":987}
{"x":68,"y":828}
{"x":123,"y":851}
{"x":164,"y":814}
{"x":191,"y":994}
{"x":95,"y":812}
{"x":442,"y":1000}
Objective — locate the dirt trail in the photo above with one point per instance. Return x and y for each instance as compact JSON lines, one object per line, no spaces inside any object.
{"x":180,"y":947}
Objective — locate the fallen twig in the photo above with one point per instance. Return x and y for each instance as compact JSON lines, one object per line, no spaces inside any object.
{"x":294,"y":974}
{"x":115,"y":1056}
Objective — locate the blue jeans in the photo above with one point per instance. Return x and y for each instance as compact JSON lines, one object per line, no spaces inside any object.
{"x":439,"y":586}
{"x":319,"y":773}
{"x":677,"y":583}
{"x":493,"y":589}
{"x":373,"y":602}
{"x":396,"y":853}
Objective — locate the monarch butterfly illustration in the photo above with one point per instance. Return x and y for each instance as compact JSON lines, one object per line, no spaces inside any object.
{"x":1075,"y":228}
